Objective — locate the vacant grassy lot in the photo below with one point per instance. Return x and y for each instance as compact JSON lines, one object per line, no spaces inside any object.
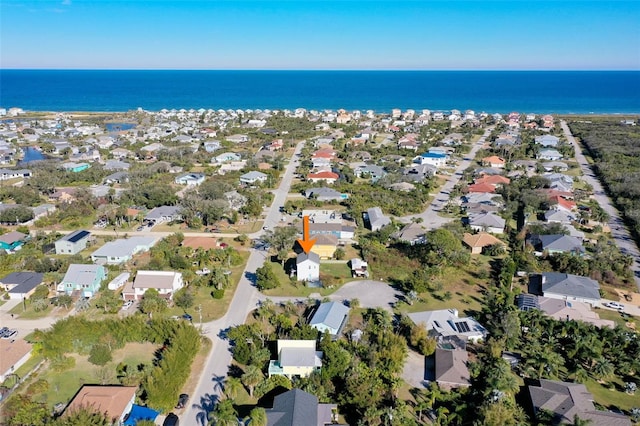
{"x":611,"y":395}
{"x":64,"y":385}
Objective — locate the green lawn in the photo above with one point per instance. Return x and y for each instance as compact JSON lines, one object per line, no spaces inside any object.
{"x":31,"y":314}
{"x":612,"y":397}
{"x":62,"y":386}
{"x":299,"y":289}
{"x":340,"y":271}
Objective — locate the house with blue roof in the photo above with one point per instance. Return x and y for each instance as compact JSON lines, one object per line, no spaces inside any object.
{"x":437,"y":159}
{"x":331,"y":317}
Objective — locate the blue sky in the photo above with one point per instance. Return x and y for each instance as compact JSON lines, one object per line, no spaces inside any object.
{"x":300,"y":34}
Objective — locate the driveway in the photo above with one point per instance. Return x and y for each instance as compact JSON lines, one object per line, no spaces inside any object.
{"x":414,"y":369}
{"x":370,"y":294}
{"x":430,"y":217}
{"x":619,"y":232}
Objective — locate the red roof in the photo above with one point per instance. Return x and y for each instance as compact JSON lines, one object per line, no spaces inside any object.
{"x":569,"y":205}
{"x":494,"y":159}
{"x":493,"y":180}
{"x":324,"y":153}
{"x":482,"y":187}
{"x":323,"y":175}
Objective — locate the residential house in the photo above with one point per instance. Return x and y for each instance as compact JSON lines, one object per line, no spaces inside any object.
{"x":561,"y":203}
{"x":376,"y":219}
{"x":413,"y":233}
{"x":235,"y":199}
{"x":165,"y":282}
{"x":227,"y":157}
{"x":253,"y":177}
{"x":419,"y":172}
{"x":82,"y":279}
{"x":119,"y":281}
{"x":371,"y":171}
{"x":436,"y":159}
{"x":487,"y":222}
{"x":477,"y":242}
{"x":562,"y":286}
{"x":296,"y":358}
{"x":75,"y":167}
{"x":559,"y":216}
{"x":12,"y":241}
{"x":359,"y":268}
{"x":233,"y":166}
{"x":494,"y":161}
{"x":15,"y":353}
{"x":557,"y":243}
{"x":237,"y":138}
{"x":330,"y":317}
{"x":549,"y":154}
{"x":163,"y":214}
{"x":308,"y":266}
{"x":481,"y":188}
{"x":116,"y":165}
{"x":446,"y":323}
{"x":21,"y":285}
{"x":325,"y":245}
{"x":451,"y":368}
{"x":324,"y":194}
{"x":547,"y":141}
{"x":6,"y":174}
{"x":121,"y":153}
{"x":114,"y":401}
{"x":297,"y":407}
{"x":327,"y":177}
{"x":117,"y":177}
{"x":342,"y":232}
{"x":493,"y":180}
{"x":211,"y":146}
{"x":190,"y":179}
{"x":562,"y":310}
{"x":122,"y":250}
{"x":64,"y":195}
{"x":555,"y":166}
{"x":73,"y":243}
{"x":322,"y":216}
{"x":565,"y":401}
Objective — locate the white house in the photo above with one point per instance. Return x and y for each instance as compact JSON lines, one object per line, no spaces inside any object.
{"x":446,"y":323}
{"x":487,"y":222}
{"x":567,"y":287}
{"x":190,"y":179}
{"x":73,"y":243}
{"x":253,"y":177}
{"x":331,"y":317}
{"x":121,"y":251}
{"x":549,"y":154}
{"x":308,"y":266}
{"x":296,"y":358}
{"x":433,"y":158}
{"x":166,"y":282}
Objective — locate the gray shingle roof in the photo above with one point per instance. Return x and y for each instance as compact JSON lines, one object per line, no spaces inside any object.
{"x":331,"y":314}
{"x":298,"y":408}
{"x":567,"y":285}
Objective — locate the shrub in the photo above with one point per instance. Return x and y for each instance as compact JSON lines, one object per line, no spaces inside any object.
{"x":218,"y":293}
{"x":100,"y":355}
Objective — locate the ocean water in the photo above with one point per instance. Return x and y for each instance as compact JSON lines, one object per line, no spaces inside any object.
{"x":491,"y":91}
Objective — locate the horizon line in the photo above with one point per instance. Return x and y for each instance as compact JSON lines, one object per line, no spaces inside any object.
{"x":331,"y":69}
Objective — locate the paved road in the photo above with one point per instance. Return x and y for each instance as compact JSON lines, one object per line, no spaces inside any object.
{"x":430,"y":217}
{"x":619,"y":231}
{"x":244,"y":300}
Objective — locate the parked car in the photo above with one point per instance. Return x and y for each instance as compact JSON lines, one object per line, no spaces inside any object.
{"x":9,"y":334}
{"x":182,"y":401}
{"x":188,"y":318}
{"x":140,"y":228}
{"x":614,"y":305}
{"x":127,"y":304}
{"x":171,"y":420}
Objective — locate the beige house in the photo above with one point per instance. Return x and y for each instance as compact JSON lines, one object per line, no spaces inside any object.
{"x":12,"y":355}
{"x":296,"y":358}
{"x":476,"y":242}
{"x":166,"y":282}
{"x":114,"y":401}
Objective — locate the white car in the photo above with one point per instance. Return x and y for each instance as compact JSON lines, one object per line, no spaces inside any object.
{"x":615,"y":305}
{"x":127,"y":304}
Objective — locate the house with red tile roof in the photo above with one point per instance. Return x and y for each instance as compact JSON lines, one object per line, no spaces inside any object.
{"x":494,"y":180}
{"x":560,"y":203}
{"x":482,"y":187}
{"x":328,"y":177}
{"x":493,"y":161}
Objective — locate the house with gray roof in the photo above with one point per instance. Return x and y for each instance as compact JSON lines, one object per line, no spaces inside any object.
{"x":549,"y":154}
{"x":563,"y":286}
{"x":20,"y":285}
{"x":116,"y":165}
{"x":556,"y":243}
{"x":547,"y":140}
{"x":117,"y":177}
{"x":552,"y":166}
{"x":122,"y":250}
{"x":190,"y":179}
{"x":331,"y":317}
{"x":413,"y":233}
{"x":323,"y":194}
{"x":163,"y":214}
{"x":376,"y":219}
{"x":419,"y":172}
{"x":451,"y":369}
{"x":296,"y":358}
{"x":446,"y":323}
{"x":566,"y":400}
{"x":73,"y":243}
{"x":297,"y":407}
{"x":487,"y":222}
{"x":559,"y":216}
{"x":371,"y":171}
{"x":253,"y":177}
{"x":82,"y":279}
{"x":308,"y":266}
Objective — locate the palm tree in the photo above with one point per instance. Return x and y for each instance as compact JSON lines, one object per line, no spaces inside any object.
{"x":251,"y":378}
{"x":224,"y":414}
{"x":602,"y":368}
{"x":258,"y":417}
{"x":232,"y":386}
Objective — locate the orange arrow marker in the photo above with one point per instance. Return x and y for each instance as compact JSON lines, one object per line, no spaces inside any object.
{"x":305,"y":242}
